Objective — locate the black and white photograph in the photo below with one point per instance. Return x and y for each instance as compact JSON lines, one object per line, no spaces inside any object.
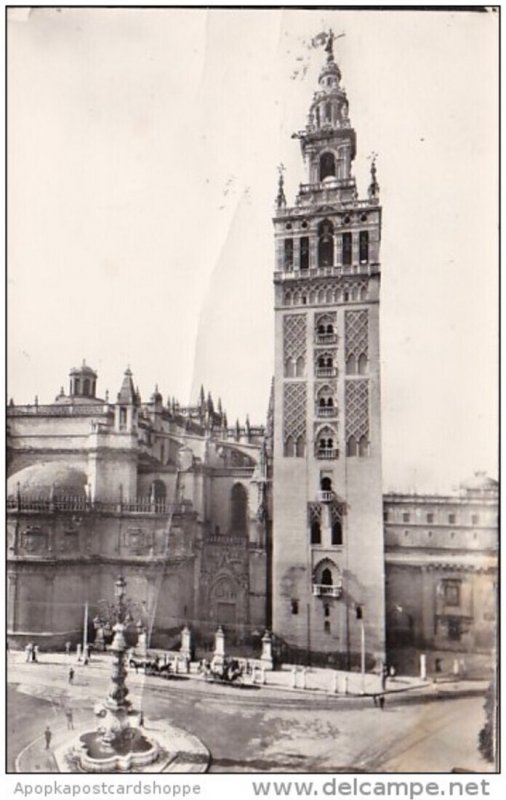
{"x":252,"y":423}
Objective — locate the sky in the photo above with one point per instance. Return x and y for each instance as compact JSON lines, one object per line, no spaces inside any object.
{"x":143,"y":147}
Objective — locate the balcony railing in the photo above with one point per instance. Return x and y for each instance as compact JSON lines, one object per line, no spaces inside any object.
{"x":326,"y":338}
{"x":326,"y":372}
{"x":372,"y":268}
{"x":325,"y":496}
{"x":323,"y":590}
{"x":326,"y":411}
{"x":326,"y":453}
{"x":80,"y":503}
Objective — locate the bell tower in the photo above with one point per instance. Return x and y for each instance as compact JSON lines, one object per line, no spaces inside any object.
{"x":328,"y":557}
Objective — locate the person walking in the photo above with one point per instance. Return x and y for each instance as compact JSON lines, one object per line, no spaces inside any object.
{"x":70,"y":719}
{"x":71,"y":675}
{"x":48,"y":736}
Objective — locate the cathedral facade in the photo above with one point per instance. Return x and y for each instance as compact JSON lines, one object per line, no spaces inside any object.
{"x":169,"y":497}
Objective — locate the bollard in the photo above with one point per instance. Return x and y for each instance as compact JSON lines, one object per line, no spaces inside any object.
{"x":262,"y":676}
{"x":294,"y":677}
{"x":423,"y":666}
{"x":303,"y":686}
{"x":335,"y":683}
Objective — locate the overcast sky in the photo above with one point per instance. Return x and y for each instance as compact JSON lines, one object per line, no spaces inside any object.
{"x":143,"y":147}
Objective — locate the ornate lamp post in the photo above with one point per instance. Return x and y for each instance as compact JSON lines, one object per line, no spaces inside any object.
{"x":116,"y":723}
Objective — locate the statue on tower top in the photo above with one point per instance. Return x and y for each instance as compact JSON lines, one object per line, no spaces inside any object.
{"x":329,"y":47}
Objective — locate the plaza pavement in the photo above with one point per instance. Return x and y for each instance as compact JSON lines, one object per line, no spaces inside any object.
{"x":48,"y":680}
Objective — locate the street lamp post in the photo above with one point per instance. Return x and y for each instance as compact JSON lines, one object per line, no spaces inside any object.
{"x":360,"y":616}
{"x":116,"y":724}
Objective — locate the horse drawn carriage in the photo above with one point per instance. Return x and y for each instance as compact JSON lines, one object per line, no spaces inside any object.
{"x":162,"y":669}
{"x":230,"y":672}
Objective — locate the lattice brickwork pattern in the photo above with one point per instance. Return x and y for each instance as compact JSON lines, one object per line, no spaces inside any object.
{"x":294,"y":337}
{"x":336,"y":512}
{"x":314,"y":512}
{"x":356,"y":396}
{"x":356,"y":330}
{"x":294,"y":410}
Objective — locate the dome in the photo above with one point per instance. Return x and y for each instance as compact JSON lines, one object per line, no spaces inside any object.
{"x":480,"y":482}
{"x":40,"y":479}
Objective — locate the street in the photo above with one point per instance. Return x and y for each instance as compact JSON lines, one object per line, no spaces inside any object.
{"x":261,"y":729}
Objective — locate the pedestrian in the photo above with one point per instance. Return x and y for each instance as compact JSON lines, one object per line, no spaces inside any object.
{"x":48,"y":736}
{"x":384,"y":674}
{"x":70,"y":719}
{"x":71,"y":675}
{"x":382,"y":701}
{"x":141,"y":719}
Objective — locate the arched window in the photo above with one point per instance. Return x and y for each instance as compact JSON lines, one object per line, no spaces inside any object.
{"x":351,"y":365}
{"x":300,"y":447}
{"x":239,"y":507}
{"x":363,"y":246}
{"x":326,"y":578}
{"x":316,"y":533}
{"x":290,"y":368}
{"x":330,"y":329}
{"x":326,"y":484}
{"x":328,"y":112}
{"x":288,"y":255}
{"x":351,"y":446}
{"x":363,"y":446}
{"x":299,"y":366}
{"x":347,"y":249}
{"x":77,"y":385}
{"x":86,"y":387}
{"x":327,"y":165}
{"x":337,"y":533}
{"x":289,"y":446}
{"x":158,"y":492}
{"x":304,"y":252}
{"x":362,"y":364}
{"x":325,"y":244}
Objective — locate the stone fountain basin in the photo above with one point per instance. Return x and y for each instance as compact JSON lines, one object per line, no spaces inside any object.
{"x":125,"y":756}
{"x":178,"y":751}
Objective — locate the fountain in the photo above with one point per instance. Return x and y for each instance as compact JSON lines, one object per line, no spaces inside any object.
{"x":120,"y":743}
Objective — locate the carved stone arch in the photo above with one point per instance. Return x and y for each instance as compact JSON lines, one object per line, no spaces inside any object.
{"x":326,"y":438}
{"x":223,"y":600}
{"x":238,"y":509}
{"x":323,"y":321}
{"x":327,"y":164}
{"x":323,"y":568}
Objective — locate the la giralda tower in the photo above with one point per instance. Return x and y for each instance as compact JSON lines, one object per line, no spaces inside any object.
{"x":328,"y":558}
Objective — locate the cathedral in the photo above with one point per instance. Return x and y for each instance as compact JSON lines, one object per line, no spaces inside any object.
{"x":283,"y":526}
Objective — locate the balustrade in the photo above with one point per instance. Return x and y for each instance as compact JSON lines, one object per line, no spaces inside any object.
{"x":327,"y":453}
{"x":323,"y":590}
{"x":326,"y":411}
